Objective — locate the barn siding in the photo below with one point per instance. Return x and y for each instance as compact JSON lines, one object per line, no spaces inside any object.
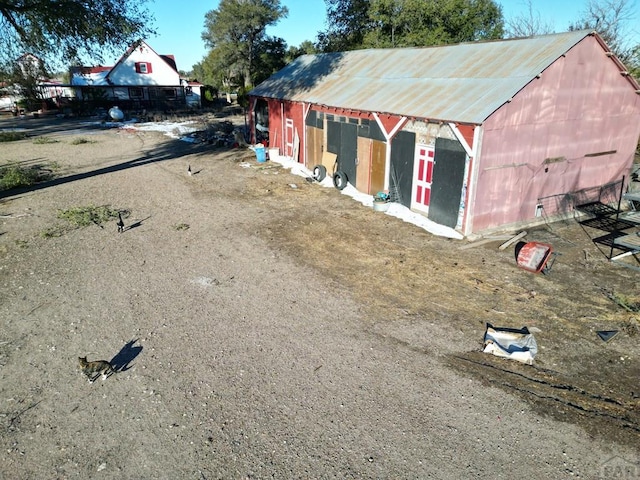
{"x":579,"y":106}
{"x":279,"y":111}
{"x":315,"y":147}
{"x":527,"y":138}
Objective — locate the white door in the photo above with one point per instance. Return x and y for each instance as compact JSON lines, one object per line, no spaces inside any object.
{"x":422,"y":177}
{"x":288,"y":137}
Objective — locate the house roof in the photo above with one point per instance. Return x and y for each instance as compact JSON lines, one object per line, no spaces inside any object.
{"x":465,"y":82}
{"x":89,"y":75}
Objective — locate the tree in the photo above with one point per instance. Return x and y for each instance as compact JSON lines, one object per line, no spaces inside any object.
{"x":271,"y":57}
{"x":305,"y":48}
{"x":349,"y":24}
{"x":214,"y":70}
{"x":406,"y":23}
{"x":235,"y":33}
{"x":201,"y":73}
{"x":528,"y":24}
{"x":403,"y":23}
{"x":634,"y":62}
{"x":67,"y":30}
{"x":24,"y":77}
{"x":610,"y":19}
{"x":390,"y":20}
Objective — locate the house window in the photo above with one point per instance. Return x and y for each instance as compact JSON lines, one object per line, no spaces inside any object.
{"x":189,"y":91}
{"x":135,"y":92}
{"x":163,"y":93}
{"x":169,"y":93}
{"x":143,"y":67}
{"x":121,"y":93}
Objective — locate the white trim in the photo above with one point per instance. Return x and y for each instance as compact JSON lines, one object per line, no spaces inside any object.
{"x":388,"y":137}
{"x":461,"y":139}
{"x":419,"y":206}
{"x":289,"y":142}
{"x":282,"y":140}
{"x":306,"y":107}
{"x":478,"y":133}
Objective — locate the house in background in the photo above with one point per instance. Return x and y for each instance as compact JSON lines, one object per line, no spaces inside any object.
{"x":8,"y":98}
{"x":34,"y":84}
{"x":478,"y":137}
{"x":140,"y":79}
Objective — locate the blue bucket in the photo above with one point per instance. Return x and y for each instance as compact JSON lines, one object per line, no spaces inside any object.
{"x":261,"y":154}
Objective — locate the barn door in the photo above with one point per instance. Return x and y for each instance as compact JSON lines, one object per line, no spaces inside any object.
{"x":342,"y":139}
{"x":363,"y":173}
{"x":448,"y":179}
{"x":422,"y":177}
{"x":348,"y":155}
{"x":378,"y":158}
{"x":288,"y":137}
{"x":333,"y":140}
{"x":314,"y":147}
{"x":401,"y":175}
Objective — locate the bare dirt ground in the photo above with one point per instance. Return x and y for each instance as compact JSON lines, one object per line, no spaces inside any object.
{"x":266,"y":327}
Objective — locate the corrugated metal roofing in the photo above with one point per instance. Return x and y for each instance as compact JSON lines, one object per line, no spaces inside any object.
{"x":464,"y":83}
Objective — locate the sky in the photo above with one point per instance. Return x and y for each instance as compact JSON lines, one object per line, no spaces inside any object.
{"x":180,"y":29}
{"x":180,"y":25}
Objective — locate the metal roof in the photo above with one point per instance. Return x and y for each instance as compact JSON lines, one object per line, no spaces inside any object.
{"x":464,"y":83}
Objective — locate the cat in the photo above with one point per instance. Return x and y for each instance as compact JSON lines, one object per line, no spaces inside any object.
{"x":96,"y":368}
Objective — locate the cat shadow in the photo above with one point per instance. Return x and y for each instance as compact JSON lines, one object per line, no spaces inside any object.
{"x":120,"y":362}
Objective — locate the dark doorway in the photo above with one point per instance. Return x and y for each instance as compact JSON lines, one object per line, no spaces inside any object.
{"x":403,"y":148}
{"x":448,"y":178}
{"x":342,"y":139}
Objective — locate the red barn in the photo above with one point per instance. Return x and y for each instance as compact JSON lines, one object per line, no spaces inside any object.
{"x":478,"y":136}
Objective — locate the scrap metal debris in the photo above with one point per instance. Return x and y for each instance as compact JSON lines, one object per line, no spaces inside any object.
{"x":606,"y":335}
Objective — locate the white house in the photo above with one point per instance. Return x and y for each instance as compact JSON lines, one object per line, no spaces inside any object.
{"x":140,"y":79}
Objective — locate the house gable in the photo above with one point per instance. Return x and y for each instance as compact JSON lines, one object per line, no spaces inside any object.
{"x":141,"y":78}
{"x":141,"y":65}
{"x":30,"y":63}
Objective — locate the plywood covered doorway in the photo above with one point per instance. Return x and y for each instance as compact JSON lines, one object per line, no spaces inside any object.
{"x":448,"y":179}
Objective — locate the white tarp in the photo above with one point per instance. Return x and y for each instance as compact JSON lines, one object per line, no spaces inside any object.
{"x":513,"y":343}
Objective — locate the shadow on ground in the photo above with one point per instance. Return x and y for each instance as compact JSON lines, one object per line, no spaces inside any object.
{"x":127,"y":354}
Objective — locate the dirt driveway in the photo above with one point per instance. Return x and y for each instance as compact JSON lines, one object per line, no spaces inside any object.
{"x":266,"y":327}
